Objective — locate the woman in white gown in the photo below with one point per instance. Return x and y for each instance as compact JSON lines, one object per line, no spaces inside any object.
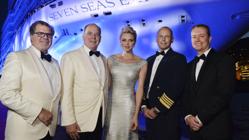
{"x":124,"y":104}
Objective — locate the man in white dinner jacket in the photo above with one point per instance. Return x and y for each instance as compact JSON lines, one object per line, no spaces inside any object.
{"x":85,"y":86}
{"x":30,"y":88}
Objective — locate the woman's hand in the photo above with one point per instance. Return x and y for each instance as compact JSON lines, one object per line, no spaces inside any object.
{"x":134,"y":123}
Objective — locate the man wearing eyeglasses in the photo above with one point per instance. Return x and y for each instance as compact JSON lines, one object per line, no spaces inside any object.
{"x":30,"y":88}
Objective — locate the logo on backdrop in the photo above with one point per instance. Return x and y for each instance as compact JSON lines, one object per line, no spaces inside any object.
{"x":91,"y":6}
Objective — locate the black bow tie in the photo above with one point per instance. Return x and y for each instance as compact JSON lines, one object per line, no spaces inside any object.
{"x":203,"y":57}
{"x":160,"y":53}
{"x":46,"y":57}
{"x":97,"y":53}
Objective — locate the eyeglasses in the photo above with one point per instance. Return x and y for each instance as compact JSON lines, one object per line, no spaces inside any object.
{"x":43,"y":35}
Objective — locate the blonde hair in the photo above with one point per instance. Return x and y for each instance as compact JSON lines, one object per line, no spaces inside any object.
{"x":130,"y":30}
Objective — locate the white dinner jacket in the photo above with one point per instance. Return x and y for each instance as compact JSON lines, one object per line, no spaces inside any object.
{"x":25,"y":89}
{"x":84,"y":92}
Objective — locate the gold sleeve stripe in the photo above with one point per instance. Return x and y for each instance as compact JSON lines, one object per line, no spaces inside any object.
{"x":166,"y":101}
{"x":167,"y":98}
{"x":162,"y":102}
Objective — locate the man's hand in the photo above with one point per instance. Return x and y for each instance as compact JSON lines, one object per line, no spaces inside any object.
{"x":150,"y":113}
{"x":193,"y":123}
{"x":45,"y":117}
{"x":72,"y":131}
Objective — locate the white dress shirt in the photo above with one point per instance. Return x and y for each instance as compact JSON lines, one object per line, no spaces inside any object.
{"x":199,"y":64}
{"x":154,"y":69}
{"x":50,"y":68}
{"x":98,"y":64}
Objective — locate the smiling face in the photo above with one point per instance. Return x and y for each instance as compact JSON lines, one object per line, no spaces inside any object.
{"x":92,"y":37}
{"x":164,"y":38}
{"x":200,"y":39}
{"x":127,"y":41}
{"x":42,"y":38}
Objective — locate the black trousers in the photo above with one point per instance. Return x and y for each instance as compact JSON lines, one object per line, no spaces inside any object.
{"x":97,"y":133}
{"x":163,"y":127}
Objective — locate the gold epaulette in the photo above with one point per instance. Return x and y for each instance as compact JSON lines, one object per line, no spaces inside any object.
{"x":166,"y":101}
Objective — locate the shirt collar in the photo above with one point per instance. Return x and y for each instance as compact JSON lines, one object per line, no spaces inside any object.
{"x":87,"y":50}
{"x":165,"y":51}
{"x":206,"y":52}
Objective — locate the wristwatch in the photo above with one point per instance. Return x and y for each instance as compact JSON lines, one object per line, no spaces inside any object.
{"x":143,"y":108}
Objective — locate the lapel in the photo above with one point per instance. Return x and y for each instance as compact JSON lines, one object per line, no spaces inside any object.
{"x":192,"y":76}
{"x":103,"y":70}
{"x":41,"y":70}
{"x":161,"y":65}
{"x":149,"y":70}
{"x":166,"y":56}
{"x":150,"y":64}
{"x":203,"y":69}
{"x":88,"y":63}
{"x":57,"y":88}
